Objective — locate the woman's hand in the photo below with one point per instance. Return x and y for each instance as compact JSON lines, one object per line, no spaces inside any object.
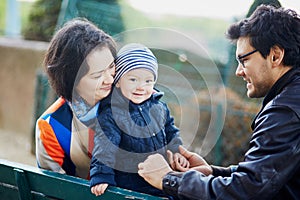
{"x":99,"y":189}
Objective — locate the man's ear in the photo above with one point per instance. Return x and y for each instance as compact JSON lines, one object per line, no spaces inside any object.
{"x":276,"y":55}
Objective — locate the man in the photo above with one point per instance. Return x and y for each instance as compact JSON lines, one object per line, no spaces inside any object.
{"x":268,"y":51}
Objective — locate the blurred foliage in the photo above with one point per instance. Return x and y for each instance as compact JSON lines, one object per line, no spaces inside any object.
{"x":106,"y":14}
{"x":236,"y":131}
{"x":42,"y":20}
{"x":2,"y":16}
{"x":257,"y":3}
{"x":24,"y":9}
{"x":208,"y":32}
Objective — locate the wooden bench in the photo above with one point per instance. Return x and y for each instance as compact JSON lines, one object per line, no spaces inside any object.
{"x":23,"y":182}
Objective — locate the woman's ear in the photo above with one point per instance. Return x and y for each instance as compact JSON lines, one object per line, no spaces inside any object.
{"x":277,"y":54}
{"x":117,"y":84}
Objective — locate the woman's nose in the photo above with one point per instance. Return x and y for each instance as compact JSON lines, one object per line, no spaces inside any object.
{"x":109,"y":78}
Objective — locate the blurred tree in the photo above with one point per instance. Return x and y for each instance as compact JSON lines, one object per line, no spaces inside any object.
{"x":2,"y":16}
{"x":47,"y":15}
{"x":106,"y":14}
{"x":42,"y":20}
{"x":257,"y":3}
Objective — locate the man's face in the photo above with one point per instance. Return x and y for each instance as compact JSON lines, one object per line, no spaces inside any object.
{"x":255,"y":70}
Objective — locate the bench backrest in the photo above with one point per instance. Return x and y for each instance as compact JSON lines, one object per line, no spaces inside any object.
{"x":18,"y":181}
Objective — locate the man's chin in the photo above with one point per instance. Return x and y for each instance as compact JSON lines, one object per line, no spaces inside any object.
{"x":254,"y":95}
{"x":250,"y":94}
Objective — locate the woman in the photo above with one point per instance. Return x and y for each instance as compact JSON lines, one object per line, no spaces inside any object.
{"x":80,"y":67}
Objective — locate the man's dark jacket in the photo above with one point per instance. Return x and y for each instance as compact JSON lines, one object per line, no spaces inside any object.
{"x":271,"y":168}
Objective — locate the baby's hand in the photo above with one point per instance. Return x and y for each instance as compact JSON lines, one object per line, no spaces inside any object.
{"x":99,"y":189}
{"x":181,"y":163}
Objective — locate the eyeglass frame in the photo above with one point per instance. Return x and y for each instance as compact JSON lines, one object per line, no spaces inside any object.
{"x":239,"y":58}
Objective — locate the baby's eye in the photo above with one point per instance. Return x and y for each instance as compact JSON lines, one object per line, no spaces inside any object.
{"x":149,"y":81}
{"x":133,"y":79}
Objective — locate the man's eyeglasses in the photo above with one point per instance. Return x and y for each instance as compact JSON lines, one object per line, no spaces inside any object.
{"x":241,"y":57}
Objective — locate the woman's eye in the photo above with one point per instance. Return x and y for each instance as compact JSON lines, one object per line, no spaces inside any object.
{"x":97,"y":77}
{"x":132,"y":79}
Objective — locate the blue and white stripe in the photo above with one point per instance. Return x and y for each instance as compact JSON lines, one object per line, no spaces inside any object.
{"x":134,"y":56}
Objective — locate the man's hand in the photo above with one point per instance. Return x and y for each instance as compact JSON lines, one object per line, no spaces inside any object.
{"x":153,"y":169}
{"x":196,"y":162}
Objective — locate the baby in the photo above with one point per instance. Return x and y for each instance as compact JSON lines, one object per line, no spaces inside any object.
{"x":135,"y":122}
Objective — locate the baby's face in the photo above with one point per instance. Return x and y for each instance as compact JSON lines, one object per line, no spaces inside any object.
{"x":137,"y":85}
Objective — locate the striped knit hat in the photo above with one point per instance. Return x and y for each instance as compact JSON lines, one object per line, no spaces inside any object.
{"x":135,"y":56}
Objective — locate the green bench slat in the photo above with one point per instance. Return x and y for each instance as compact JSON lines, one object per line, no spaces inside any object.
{"x":18,"y":181}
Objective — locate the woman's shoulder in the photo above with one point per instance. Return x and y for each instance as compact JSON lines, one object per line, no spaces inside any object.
{"x":58,"y":108}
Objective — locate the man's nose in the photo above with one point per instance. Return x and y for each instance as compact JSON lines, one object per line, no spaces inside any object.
{"x":239,"y":70}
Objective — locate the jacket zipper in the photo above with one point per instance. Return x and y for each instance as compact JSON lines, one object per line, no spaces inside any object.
{"x":151,"y":133}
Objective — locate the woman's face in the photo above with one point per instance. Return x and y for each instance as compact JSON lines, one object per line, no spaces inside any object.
{"x":97,"y":82}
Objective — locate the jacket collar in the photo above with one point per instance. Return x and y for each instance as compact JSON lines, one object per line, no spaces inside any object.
{"x":116,"y":98}
{"x":279,"y":85}
{"x":277,"y":88}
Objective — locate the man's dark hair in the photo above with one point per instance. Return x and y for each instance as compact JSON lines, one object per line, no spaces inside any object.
{"x":269,"y":26}
{"x":67,"y":52}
